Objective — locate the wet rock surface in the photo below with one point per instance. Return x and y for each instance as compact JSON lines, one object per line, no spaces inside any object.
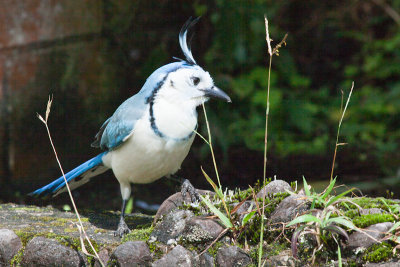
{"x":232,"y":256}
{"x":178,"y":256}
{"x":370,"y":235}
{"x":274,"y":187}
{"x":131,"y":253}
{"x":289,"y":208}
{"x":171,"y":226}
{"x":41,"y":251}
{"x":10,"y":244}
{"x":185,"y":234}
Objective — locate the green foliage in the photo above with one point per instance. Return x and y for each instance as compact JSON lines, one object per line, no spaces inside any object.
{"x":378,"y":253}
{"x":321,"y":58}
{"x":370,"y":219}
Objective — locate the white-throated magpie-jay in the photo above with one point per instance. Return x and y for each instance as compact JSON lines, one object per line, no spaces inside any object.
{"x":150,"y":134}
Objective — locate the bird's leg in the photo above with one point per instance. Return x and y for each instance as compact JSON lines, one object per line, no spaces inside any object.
{"x":187,"y":187}
{"x":122,"y":226}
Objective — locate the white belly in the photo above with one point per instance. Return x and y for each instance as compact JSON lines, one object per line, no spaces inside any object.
{"x":145,"y":157}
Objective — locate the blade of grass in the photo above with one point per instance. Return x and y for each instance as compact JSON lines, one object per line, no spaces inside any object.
{"x":80,"y":228}
{"x":225,"y":220}
{"x":338,"y":130}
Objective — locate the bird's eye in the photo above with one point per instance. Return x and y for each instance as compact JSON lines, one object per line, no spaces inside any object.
{"x":195,"y":80}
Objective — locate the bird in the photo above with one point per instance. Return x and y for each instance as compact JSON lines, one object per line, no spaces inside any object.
{"x":149,"y":134}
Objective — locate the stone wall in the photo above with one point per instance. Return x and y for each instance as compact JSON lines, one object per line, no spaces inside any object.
{"x":46,"y":47}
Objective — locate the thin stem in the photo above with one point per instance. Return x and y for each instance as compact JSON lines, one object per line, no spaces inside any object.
{"x":211,"y":147}
{"x":66,"y":182}
{"x":266,"y":120}
{"x":338,"y":130}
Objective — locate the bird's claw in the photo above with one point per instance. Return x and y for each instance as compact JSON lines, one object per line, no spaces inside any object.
{"x":187,"y":187}
{"x":122,"y":229}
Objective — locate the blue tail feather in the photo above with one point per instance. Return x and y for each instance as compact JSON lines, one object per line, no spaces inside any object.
{"x":59,"y":183}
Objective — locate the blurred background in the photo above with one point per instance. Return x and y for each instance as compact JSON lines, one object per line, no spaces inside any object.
{"x":91,"y":55}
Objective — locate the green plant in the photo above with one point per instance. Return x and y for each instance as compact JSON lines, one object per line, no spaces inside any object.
{"x":325,"y":222}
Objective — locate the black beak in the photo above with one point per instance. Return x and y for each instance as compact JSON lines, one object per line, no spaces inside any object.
{"x":215,"y":92}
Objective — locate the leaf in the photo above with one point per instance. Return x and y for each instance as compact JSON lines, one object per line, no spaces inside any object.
{"x":306,"y":189}
{"x":215,"y":187}
{"x":339,"y":256}
{"x":336,"y":198}
{"x":343,"y":221}
{"x":304,"y":219}
{"x":338,"y":230}
{"x":225,"y":220}
{"x":247,"y":217}
{"x":394,"y":227}
{"x":329,"y":189}
{"x":295,"y":236}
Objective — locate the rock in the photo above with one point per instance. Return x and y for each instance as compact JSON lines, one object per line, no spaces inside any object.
{"x":179,"y":256}
{"x":41,"y":251}
{"x":10,"y":244}
{"x":206,"y":260}
{"x":383,"y":264}
{"x":199,"y":230}
{"x":104,"y":255}
{"x":171,"y":226}
{"x":284,"y":258}
{"x":244,"y":208}
{"x":276,"y":186}
{"x":377,"y":231}
{"x":132,"y":253}
{"x":232,"y":256}
{"x":175,"y":201}
{"x":289,"y":208}
{"x":371,"y":211}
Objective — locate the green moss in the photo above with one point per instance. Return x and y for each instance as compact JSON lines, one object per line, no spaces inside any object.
{"x":16,"y":260}
{"x":370,"y":219}
{"x":214,"y":248}
{"x":155,"y":250}
{"x":378,"y":253}
{"x":352,"y":213}
{"x":98,"y":230}
{"x":368,"y":203}
{"x":138,"y":234}
{"x":70,"y":230}
{"x":67,"y":241}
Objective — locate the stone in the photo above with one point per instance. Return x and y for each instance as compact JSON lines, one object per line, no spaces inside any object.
{"x":178,"y":256}
{"x":171,"y":226}
{"x":10,"y":244}
{"x":371,"y":211}
{"x":383,"y":264}
{"x":276,"y":186}
{"x":206,"y":260}
{"x":244,"y":208}
{"x":377,"y":231}
{"x":132,"y":253}
{"x":232,"y":256}
{"x":41,"y":251}
{"x":289,"y":208}
{"x":175,"y":201}
{"x":198,"y":230}
{"x":104,"y":255}
{"x":285,"y":258}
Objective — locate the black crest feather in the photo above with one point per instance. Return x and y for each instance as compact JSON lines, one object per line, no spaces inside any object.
{"x":183,"y":40}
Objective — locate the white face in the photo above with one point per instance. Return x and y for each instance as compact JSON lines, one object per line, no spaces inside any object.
{"x":187,"y":85}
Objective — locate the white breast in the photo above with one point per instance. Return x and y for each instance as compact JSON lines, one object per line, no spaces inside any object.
{"x":145,"y":157}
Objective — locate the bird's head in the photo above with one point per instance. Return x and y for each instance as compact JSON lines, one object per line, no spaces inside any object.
{"x":185,"y":81}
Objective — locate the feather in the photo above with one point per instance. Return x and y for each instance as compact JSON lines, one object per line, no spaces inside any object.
{"x":183,"y":40}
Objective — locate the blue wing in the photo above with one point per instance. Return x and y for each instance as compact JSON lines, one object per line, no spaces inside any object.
{"x":120,"y":125}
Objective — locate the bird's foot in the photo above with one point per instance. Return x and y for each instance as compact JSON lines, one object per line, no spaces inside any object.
{"x":187,"y":187}
{"x":123,"y":229}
